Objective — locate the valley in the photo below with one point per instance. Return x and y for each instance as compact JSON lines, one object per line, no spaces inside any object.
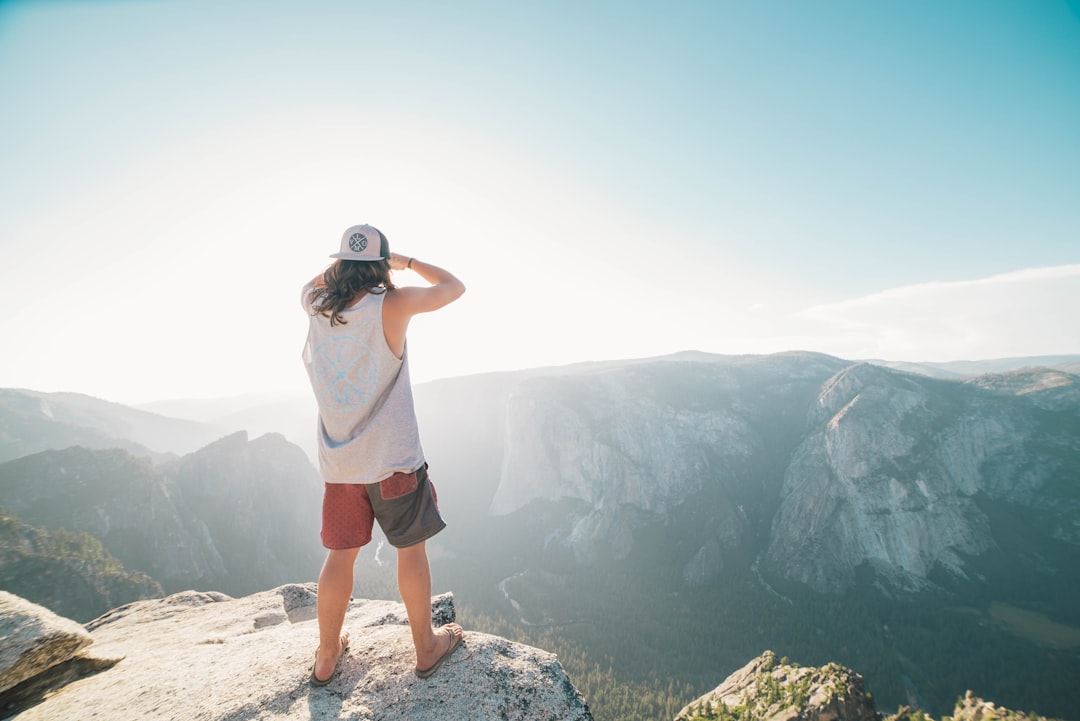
{"x":1035,"y":626}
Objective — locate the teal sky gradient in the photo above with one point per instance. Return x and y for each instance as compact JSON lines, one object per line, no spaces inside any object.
{"x":839,"y":149}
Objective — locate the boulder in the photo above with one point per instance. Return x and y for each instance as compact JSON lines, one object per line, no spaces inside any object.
{"x":973,"y":708}
{"x":33,"y":639}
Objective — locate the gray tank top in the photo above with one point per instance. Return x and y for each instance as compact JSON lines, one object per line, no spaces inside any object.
{"x":367,"y":428}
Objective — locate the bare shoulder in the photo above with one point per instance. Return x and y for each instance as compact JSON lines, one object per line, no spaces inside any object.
{"x":412,"y":300}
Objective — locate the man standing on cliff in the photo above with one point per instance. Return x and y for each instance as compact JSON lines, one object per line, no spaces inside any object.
{"x":370,"y":457}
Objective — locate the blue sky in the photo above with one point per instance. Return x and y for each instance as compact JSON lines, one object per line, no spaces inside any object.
{"x":887,"y":179}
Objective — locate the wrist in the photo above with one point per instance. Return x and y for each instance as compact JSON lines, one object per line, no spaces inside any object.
{"x":409,"y":264}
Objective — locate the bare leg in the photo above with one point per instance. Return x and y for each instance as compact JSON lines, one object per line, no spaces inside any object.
{"x":331,"y":603}
{"x":414,"y":583}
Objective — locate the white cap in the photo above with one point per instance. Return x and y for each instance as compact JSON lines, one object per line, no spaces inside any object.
{"x":363,"y":242}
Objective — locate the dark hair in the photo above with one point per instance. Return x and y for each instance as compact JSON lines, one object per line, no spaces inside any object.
{"x":344,"y":280}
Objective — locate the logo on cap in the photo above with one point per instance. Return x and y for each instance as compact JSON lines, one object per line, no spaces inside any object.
{"x":357,"y":242}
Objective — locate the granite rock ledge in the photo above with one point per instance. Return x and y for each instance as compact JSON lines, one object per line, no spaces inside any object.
{"x":211,"y":657}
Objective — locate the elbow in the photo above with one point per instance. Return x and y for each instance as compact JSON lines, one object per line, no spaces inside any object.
{"x":459,"y":290}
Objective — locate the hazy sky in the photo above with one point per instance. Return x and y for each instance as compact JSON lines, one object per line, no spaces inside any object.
{"x":893,"y":179}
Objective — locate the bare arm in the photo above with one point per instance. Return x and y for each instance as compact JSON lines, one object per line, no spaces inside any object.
{"x":305,"y":292}
{"x":402,"y":304}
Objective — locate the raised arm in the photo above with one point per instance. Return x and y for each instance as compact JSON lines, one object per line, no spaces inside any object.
{"x":403,"y":303}
{"x":444,"y":288}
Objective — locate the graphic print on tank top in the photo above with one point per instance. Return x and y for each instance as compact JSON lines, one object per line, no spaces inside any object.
{"x":344,"y":371}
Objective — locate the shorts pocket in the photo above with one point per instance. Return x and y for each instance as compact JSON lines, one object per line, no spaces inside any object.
{"x":397,"y":485}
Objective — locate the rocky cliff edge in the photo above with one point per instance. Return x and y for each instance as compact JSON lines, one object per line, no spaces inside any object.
{"x":208,"y":656}
{"x":769,"y":690}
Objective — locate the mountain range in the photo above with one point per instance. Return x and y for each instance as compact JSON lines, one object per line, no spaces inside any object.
{"x":916,"y":521}
{"x":912,"y":525}
{"x":236,"y":516}
{"x":810,"y":465}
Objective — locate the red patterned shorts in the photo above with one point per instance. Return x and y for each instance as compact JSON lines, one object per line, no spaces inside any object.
{"x":405,"y":505}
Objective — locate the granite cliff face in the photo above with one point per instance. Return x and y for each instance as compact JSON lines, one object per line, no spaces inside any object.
{"x":261,"y":501}
{"x":236,"y":516}
{"x":893,"y":471}
{"x":815,"y":466}
{"x":636,"y":444}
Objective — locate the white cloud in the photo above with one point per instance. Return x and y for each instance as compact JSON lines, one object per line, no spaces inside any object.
{"x":1026,"y":312}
